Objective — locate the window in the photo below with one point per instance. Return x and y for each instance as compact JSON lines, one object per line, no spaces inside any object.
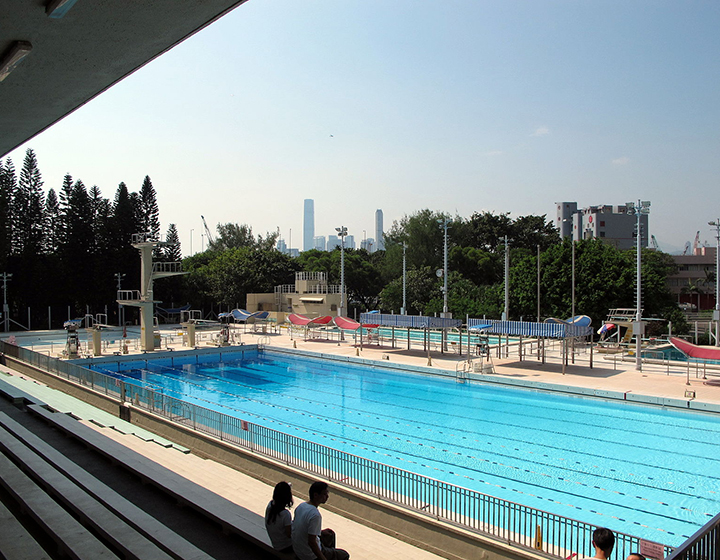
{"x":602,"y":223}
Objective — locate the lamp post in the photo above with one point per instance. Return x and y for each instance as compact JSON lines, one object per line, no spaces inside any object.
{"x":716,"y":313}
{"x":6,"y":276}
{"x":506,"y":309}
{"x":445,"y":223}
{"x":119,"y":276}
{"x":642,"y":207}
{"x":342,"y":232}
{"x":404,"y":305}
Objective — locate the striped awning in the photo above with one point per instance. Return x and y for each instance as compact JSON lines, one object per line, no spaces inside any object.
{"x":524,"y":328}
{"x":409,"y":321}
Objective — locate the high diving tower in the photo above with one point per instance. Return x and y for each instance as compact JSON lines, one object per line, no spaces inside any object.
{"x":149,"y":272}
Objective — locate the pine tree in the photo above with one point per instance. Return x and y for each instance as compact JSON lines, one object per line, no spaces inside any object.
{"x":173,"y":252}
{"x":53,"y":225}
{"x":30,"y":207}
{"x":149,"y":209}
{"x":8,"y":186}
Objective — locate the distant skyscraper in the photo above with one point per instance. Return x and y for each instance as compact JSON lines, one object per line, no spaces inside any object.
{"x":309,"y":225}
{"x":320,"y":242}
{"x":332,"y":242}
{"x":379,"y":239}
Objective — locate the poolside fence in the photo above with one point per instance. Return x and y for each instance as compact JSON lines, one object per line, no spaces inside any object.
{"x":507,"y":521}
{"x":703,"y":545}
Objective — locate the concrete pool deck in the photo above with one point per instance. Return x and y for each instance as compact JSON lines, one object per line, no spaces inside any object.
{"x":609,"y":373}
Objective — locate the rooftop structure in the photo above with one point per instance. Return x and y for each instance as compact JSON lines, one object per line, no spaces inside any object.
{"x":614,"y":225}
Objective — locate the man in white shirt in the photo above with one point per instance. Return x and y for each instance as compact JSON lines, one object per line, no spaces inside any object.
{"x":307,"y":528}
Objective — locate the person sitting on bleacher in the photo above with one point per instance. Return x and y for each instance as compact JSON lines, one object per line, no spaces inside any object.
{"x":310,"y":541}
{"x":278,"y":520}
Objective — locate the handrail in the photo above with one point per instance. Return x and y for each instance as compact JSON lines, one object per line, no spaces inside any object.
{"x":703,"y":545}
{"x":523,"y":526}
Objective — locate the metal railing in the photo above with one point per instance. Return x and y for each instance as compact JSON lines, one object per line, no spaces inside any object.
{"x":703,"y":545}
{"x":128,"y":295}
{"x":510,"y":522}
{"x":167,"y":267}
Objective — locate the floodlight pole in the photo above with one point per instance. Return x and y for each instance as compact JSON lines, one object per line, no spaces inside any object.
{"x":119,"y":276}
{"x":342,"y":232}
{"x":716,"y":314}
{"x":506,"y":313}
{"x":6,"y":276}
{"x":404,"y":305}
{"x":445,"y":223}
{"x":642,"y":207}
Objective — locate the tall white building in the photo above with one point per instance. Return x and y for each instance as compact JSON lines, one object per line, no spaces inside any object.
{"x":309,"y":224}
{"x":379,"y":236}
{"x":614,"y":225}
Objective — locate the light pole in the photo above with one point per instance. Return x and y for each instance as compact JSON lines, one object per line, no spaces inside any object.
{"x":445,"y":223}
{"x":342,"y":232}
{"x":6,"y":276}
{"x":119,"y":276}
{"x":716,"y":314}
{"x":404,"y":305}
{"x":506,"y":312}
{"x":642,"y":207}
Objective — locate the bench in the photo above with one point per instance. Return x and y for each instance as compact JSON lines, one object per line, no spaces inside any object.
{"x":231,"y":517}
{"x":17,"y":543}
{"x":15,"y":395}
{"x":70,"y":536}
{"x":120,"y":521}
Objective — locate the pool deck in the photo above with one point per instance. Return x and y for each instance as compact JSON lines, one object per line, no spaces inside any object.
{"x":608,"y":374}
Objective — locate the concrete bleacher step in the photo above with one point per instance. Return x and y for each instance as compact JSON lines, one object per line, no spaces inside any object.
{"x":71,"y":537}
{"x":232,"y":517}
{"x":16,"y":543}
{"x":84,"y":507}
{"x":131,"y":530}
{"x":16,"y":388}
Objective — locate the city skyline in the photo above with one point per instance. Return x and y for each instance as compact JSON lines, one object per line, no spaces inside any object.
{"x":469,"y":107}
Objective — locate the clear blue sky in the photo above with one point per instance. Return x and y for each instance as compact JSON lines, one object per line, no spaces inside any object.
{"x":454,"y":105}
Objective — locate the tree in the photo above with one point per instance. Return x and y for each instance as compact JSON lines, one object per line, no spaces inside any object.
{"x":8,"y":186}
{"x":173,"y":251}
{"x":234,"y":236}
{"x":149,"y":211}
{"x":29,"y":208}
{"x":53,"y":227}
{"x":421,"y":286}
{"x":424,"y":236}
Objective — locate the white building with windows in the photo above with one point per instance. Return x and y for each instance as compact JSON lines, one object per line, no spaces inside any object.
{"x":614,"y":225}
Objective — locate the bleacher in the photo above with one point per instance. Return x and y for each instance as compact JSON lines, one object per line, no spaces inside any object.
{"x":52,"y":507}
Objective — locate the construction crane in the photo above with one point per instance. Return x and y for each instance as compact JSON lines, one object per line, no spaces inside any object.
{"x":692,"y":247}
{"x":696,"y":243}
{"x":211,"y":240}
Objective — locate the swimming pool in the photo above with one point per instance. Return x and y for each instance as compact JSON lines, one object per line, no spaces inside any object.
{"x":637,"y":469}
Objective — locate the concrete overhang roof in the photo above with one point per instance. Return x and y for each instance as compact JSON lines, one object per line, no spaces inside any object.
{"x":74,"y":58}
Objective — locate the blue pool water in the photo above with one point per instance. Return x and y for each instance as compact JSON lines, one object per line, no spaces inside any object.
{"x":641,"y":470}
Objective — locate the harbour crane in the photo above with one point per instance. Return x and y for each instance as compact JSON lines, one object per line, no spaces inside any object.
{"x":211,"y":240}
